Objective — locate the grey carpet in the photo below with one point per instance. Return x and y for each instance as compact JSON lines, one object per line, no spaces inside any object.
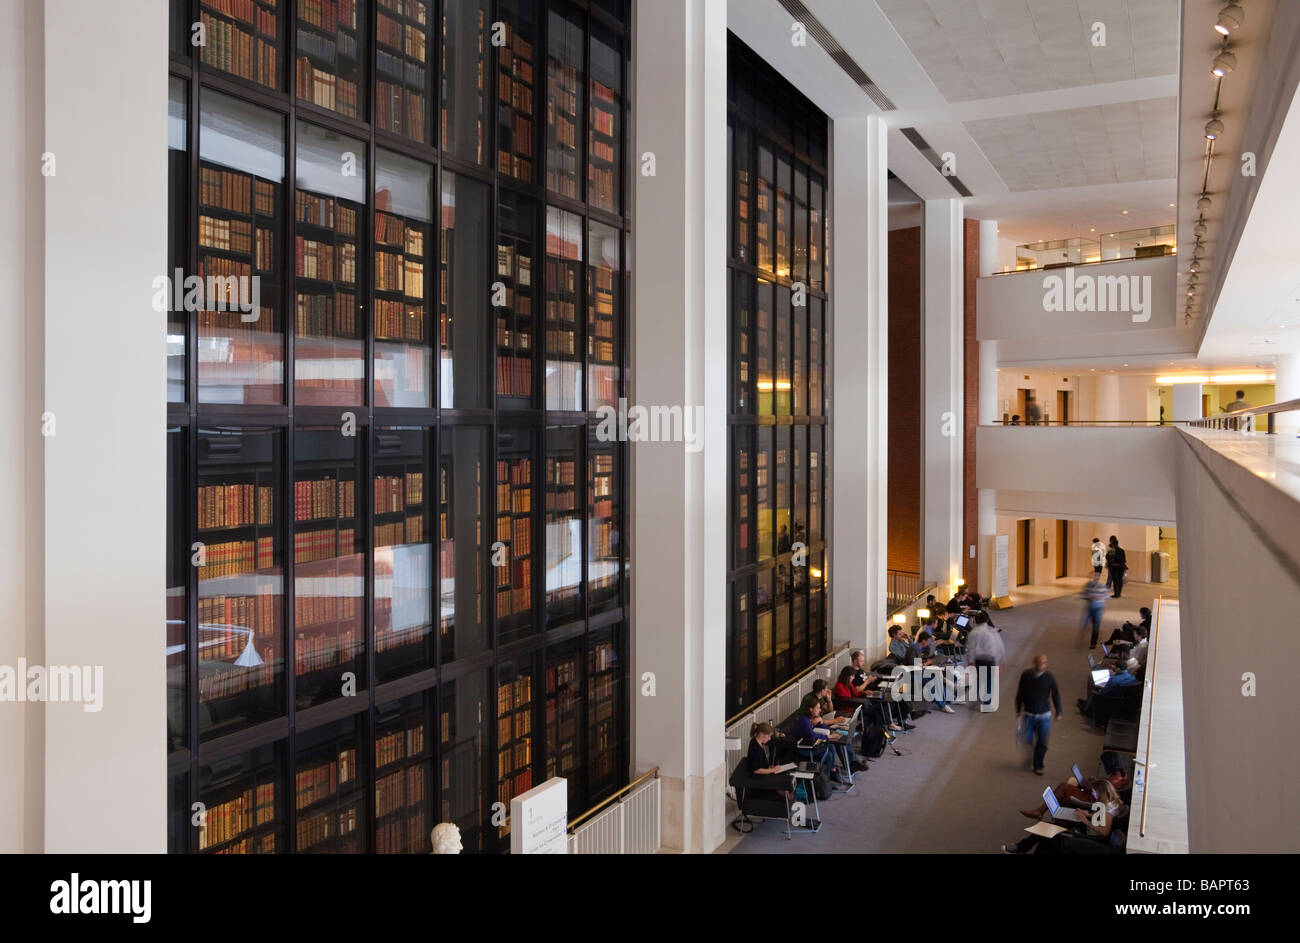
{"x":965,"y":778}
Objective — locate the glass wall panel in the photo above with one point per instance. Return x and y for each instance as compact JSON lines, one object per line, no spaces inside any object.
{"x":242,"y":811}
{"x":178,"y":577}
{"x":781,"y":337}
{"x":764,"y":677}
{"x":463,"y":705}
{"x":512,"y":553}
{"x":403,"y":69}
{"x":799,"y":471}
{"x":466,"y":38}
{"x":179,"y":814}
{"x":332,"y":43}
{"x":741,"y":287}
{"x":604,"y":527}
{"x":799,"y":393}
{"x":604,"y":156}
{"x":240,"y":633}
{"x":241,"y":39}
{"x":766,"y":228}
{"x":816,"y":461}
{"x":781,"y":624}
{"x":465,"y":281}
{"x":404,"y":746}
{"x":329,"y":199}
{"x":240,"y":222}
{"x":178,"y":198}
{"x":329,"y":788}
{"x":515,"y":298}
{"x":742,"y":499}
{"x":605,"y":709}
{"x":514,"y":731}
{"x":563,"y":286}
{"x":763,"y":479}
{"x":742,"y":231}
{"x":816,"y":232}
{"x":783,"y":522}
{"x":783,"y":188}
{"x":740,"y":680}
{"x":462,"y":512}
{"x":564,"y":55}
{"x":604,"y":291}
{"x":763,"y":347}
{"x":516,"y":88}
{"x":404,"y":551}
{"x":563,"y":527}
{"x":403,"y":364}
{"x":564,"y":719}
{"x":800,"y":241}
{"x":816,"y":356}
{"x":329,"y":569}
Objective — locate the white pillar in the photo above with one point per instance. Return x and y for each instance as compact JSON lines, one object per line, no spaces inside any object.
{"x":104,"y":523}
{"x":860,"y":393}
{"x":679,"y":357}
{"x":988,"y":247}
{"x":1187,"y":401}
{"x":941,"y":415}
{"x":1108,"y":401}
{"x":1286,"y":386}
{"x":988,"y":393}
{"x":987,"y":527}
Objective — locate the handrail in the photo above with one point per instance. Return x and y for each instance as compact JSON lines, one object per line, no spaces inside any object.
{"x":1222,"y":421}
{"x":616,"y":797}
{"x":1082,"y":422}
{"x":749,"y":708}
{"x":1152,"y":649}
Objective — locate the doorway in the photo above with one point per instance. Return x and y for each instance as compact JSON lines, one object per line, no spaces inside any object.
{"x":1021,"y":395}
{"x":1024,"y":539}
{"x":1063,"y":406}
{"x":1062,"y":549}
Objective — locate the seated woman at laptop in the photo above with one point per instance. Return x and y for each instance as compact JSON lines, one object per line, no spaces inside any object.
{"x":1082,"y":795}
{"x":874,"y":710}
{"x":759,"y":762}
{"x":806,"y":733}
{"x":821,"y":689}
{"x":1104,"y":793}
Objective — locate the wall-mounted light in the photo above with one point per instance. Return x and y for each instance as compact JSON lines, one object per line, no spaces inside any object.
{"x":923,"y":614}
{"x":1213,"y":128}
{"x":899,"y":618}
{"x":1230,"y":18}
{"x":1224,"y":62}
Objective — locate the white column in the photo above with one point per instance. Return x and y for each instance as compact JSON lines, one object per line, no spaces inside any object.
{"x":1108,"y":399}
{"x":105,"y":487}
{"x":1286,"y":386}
{"x":989,"y":412}
{"x":1187,"y":401}
{"x":860,"y":392}
{"x":987,"y":526}
{"x":941,"y":415}
{"x":679,"y":358}
{"x":988,"y":247}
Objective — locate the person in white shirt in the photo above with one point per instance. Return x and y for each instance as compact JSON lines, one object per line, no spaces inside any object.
{"x":1098,"y":556}
{"x":984,"y":648}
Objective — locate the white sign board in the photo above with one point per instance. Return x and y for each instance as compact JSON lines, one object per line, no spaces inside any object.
{"x":539,"y":819}
{"x":1001,"y":560}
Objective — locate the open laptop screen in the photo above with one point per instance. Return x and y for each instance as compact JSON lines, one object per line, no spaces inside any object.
{"x":1100,"y":677}
{"x":962,"y":622}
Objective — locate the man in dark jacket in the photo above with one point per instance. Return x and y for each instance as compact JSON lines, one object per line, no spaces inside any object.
{"x":1036,"y":696}
{"x":1116,"y":565}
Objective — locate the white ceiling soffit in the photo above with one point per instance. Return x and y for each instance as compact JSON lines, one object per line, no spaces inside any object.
{"x":967,"y":72}
{"x":1252,"y":280}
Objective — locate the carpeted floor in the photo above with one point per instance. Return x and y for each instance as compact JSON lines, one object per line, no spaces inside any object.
{"x":964,"y":777}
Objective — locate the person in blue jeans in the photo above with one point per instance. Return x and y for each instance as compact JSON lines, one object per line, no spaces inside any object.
{"x":1094,"y":595}
{"x":1036,"y":696}
{"x":808,"y":731}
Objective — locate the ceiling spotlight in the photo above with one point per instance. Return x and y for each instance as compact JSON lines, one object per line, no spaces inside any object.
{"x":1203,"y":203}
{"x":1213,"y":128}
{"x":1125,"y":212}
{"x":1199,"y":228}
{"x":1230,"y":17}
{"x":1193,"y":268}
{"x":1224,"y":63}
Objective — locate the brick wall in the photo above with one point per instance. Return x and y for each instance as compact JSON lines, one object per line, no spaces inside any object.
{"x":904,"y":551}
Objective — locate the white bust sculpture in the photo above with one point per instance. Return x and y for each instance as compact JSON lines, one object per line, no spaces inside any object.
{"x":446,"y":839}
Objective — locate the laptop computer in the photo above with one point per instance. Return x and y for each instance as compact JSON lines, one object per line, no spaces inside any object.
{"x":1105,"y":650}
{"x":1078,"y":776}
{"x":1100,"y":676}
{"x":1058,"y":811}
{"x":962,"y":621}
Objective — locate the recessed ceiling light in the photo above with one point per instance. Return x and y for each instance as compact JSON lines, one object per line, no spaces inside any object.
{"x":1171,"y":204}
{"x":1125,"y":212}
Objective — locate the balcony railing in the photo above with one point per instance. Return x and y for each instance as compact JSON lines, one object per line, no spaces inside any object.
{"x":1152,"y":242}
{"x":1243,"y":420}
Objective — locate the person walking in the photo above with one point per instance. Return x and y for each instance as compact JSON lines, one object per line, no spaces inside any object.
{"x":985,"y":649}
{"x":1098,"y":557}
{"x":1116,"y":566}
{"x":1036,"y":696}
{"x":1094,"y":596}
{"x":1033,"y":415}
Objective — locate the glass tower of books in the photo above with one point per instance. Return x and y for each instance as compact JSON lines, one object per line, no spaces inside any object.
{"x":396,"y":585}
{"x":779,"y":323}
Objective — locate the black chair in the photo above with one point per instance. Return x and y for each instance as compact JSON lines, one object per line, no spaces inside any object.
{"x":759,"y":797}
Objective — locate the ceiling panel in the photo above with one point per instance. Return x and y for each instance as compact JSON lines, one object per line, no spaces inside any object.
{"x":988,"y":48}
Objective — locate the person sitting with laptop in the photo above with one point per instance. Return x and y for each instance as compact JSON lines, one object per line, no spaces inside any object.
{"x":1111,"y":806}
{"x":1073,"y":794}
{"x":812,"y":733}
{"x":759,"y":762}
{"x":1104,"y":690}
{"x":847,"y":689}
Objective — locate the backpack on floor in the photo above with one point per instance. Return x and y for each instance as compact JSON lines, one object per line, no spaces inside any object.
{"x":873,"y":741}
